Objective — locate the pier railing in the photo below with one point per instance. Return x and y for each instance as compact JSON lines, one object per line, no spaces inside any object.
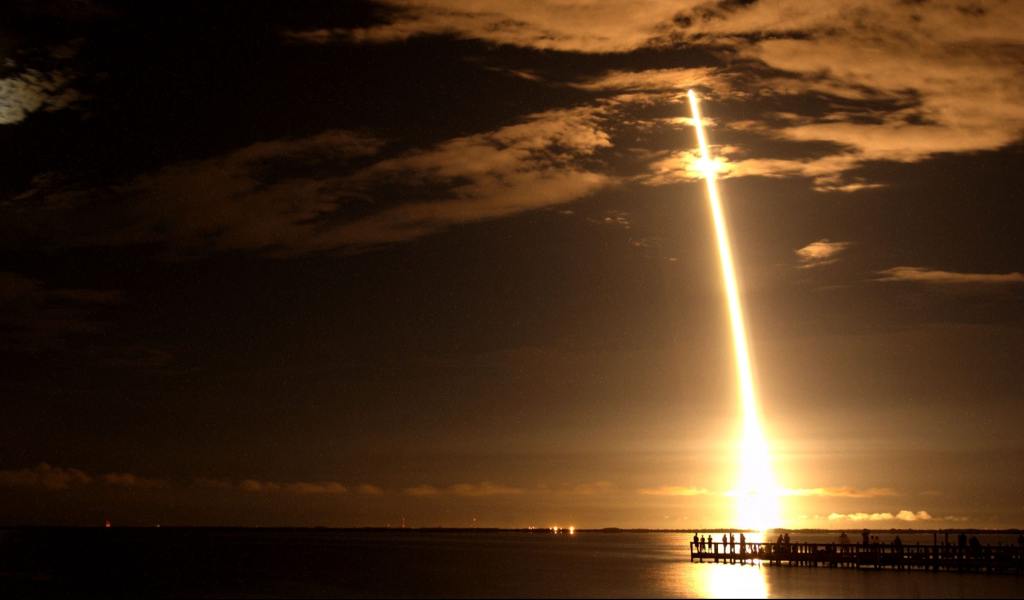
{"x":995,"y":559}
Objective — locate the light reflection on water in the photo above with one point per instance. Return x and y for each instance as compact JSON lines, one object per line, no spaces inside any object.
{"x":725,"y":580}
{"x":731,"y":581}
{"x":718,"y":580}
{"x":410,"y":563}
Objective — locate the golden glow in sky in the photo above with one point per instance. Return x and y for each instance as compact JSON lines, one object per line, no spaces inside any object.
{"x":756,"y":492}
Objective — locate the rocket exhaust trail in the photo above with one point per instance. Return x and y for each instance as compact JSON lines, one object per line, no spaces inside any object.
{"x":757,"y":494}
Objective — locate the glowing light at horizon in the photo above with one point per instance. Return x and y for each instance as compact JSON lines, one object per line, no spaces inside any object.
{"x":756,"y":492}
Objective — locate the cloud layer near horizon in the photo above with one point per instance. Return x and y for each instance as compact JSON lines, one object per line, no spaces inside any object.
{"x":48,"y":477}
{"x":934,"y":276}
{"x":902,"y":515}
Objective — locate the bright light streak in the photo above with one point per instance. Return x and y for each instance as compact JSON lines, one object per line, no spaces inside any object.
{"x":757,"y":494}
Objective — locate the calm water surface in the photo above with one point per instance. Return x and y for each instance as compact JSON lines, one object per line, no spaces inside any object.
{"x":407,"y":563}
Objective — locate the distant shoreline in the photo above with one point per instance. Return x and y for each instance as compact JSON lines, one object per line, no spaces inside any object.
{"x":538,"y":530}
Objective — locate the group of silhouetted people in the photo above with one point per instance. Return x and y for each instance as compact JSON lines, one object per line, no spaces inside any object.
{"x":730,"y":543}
{"x":738,"y":543}
{"x":962,"y":553}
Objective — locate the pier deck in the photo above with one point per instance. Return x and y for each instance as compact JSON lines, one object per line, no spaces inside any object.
{"x":990,"y":559}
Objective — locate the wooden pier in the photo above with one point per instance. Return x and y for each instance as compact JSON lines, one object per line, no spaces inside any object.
{"x":978,"y":559}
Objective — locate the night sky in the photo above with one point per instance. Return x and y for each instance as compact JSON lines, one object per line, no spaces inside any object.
{"x":346,"y":263}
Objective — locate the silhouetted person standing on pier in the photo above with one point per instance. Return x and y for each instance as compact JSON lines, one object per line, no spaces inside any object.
{"x":865,"y":537}
{"x":743,"y":543}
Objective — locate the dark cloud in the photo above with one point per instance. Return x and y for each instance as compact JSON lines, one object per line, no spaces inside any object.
{"x":259,"y":486}
{"x":129,"y":480}
{"x":368,"y":489}
{"x":954,"y":75}
{"x":613,"y":26}
{"x":31,"y":90}
{"x":486,"y":488}
{"x":45,"y":476}
{"x":935,"y":276}
{"x":40,"y":43}
{"x":36,"y":317}
{"x":294,"y":196}
{"x":305,"y":195}
{"x":470,"y":490}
